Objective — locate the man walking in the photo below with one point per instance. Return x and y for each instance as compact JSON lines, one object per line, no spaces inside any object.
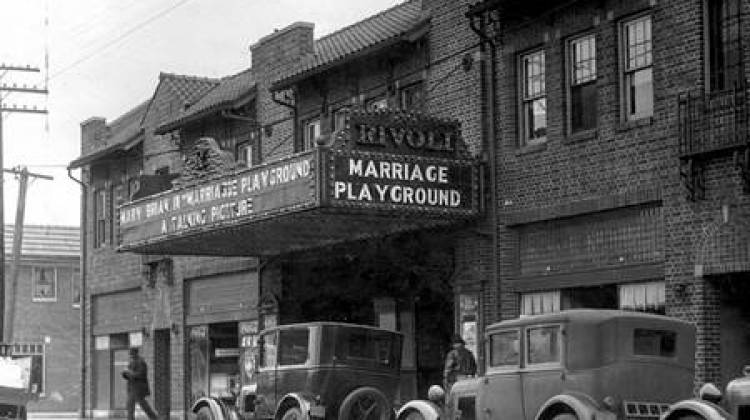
{"x":137,"y":377}
{"x":459,"y":363}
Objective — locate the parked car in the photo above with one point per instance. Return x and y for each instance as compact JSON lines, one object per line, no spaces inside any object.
{"x":572,"y":365}
{"x":15,"y":384}
{"x":320,"y":370}
{"x":712,"y":405}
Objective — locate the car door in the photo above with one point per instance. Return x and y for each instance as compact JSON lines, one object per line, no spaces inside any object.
{"x":266,"y":395}
{"x":500,"y":392}
{"x":543,"y":375}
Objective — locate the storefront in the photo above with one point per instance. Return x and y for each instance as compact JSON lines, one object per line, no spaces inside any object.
{"x":358,"y":231}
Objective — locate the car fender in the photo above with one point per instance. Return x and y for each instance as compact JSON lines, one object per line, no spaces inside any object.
{"x":303,"y":401}
{"x":582,"y":405}
{"x":428,"y":410}
{"x":705,"y":409}
{"x":218,"y":410}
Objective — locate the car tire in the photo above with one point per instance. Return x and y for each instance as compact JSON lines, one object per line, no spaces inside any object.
{"x":565,"y":416}
{"x":366,"y":403}
{"x":690,"y":416}
{"x":293,"y":413}
{"x":204,"y":413}
{"x":413,"y":415}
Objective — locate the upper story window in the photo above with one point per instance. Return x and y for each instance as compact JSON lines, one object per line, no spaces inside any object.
{"x":311,"y":132}
{"x":724,"y":44}
{"x":583,"y":93}
{"x":75,"y":288}
{"x":412,"y":96}
{"x":100,"y":222}
{"x":643,"y":297}
{"x":534,"y":98}
{"x":376,"y":104}
{"x":638,"y":75}
{"x":244,"y":154}
{"x":44,"y":284}
{"x":540,"y":302}
{"x":339,"y":118}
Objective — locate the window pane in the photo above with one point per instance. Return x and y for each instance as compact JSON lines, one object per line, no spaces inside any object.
{"x":638,"y":43}
{"x":540,"y":302}
{"x":583,"y":106}
{"x":543,"y":345}
{"x":44,"y":283}
{"x":533,"y":67}
{"x":367,"y":348}
{"x":504,"y":349}
{"x":268,"y":355}
{"x":583,"y":59}
{"x":293,"y":346}
{"x":641,"y":93}
{"x":646,"y":297}
{"x":536,"y":118}
{"x":654,"y":342}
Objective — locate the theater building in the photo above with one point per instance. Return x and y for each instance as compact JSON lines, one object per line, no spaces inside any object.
{"x":623,"y":162}
{"x":338,"y":178}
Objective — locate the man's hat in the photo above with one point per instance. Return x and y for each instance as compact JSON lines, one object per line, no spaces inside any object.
{"x":133,"y":351}
{"x":457,"y":339}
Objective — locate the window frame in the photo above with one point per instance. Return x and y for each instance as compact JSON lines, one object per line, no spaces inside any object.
{"x":75,"y":281}
{"x":711,"y":81}
{"x":376,"y":103}
{"x":100,"y":217}
{"x":18,"y":352}
{"x":524,"y":137}
{"x":570,"y":82}
{"x":505,"y":368}
{"x":307,"y":142}
{"x":412,"y":87}
{"x":336,"y":115}
{"x":625,"y":72}
{"x":527,"y":347}
{"x":245,"y":146}
{"x":34,"y":277}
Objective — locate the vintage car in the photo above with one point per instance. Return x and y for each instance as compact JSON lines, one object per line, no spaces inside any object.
{"x":572,"y":365}
{"x":320,"y":370}
{"x":15,"y":386}
{"x":712,"y":405}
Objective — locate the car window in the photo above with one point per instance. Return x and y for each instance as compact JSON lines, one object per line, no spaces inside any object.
{"x":367,"y":348}
{"x":294,"y":346}
{"x":543,"y":344}
{"x":654,"y":342}
{"x":504,"y":349}
{"x":268,"y":355}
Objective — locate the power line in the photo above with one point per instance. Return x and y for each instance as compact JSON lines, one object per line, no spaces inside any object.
{"x":119,"y":38}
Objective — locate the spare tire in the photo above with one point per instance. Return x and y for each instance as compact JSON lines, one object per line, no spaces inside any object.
{"x":366,"y":403}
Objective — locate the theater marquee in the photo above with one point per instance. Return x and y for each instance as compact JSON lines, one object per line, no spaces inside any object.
{"x":388,"y":172}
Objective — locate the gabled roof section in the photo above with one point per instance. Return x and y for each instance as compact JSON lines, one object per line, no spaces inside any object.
{"x":46,"y":241}
{"x":187,"y":89}
{"x":377,"y":31}
{"x":232,"y":91}
{"x":123,"y":133}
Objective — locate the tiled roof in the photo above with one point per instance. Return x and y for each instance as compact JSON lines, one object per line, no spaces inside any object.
{"x":120,"y":133}
{"x":188,"y":88}
{"x":377,"y":30}
{"x":226,"y":94}
{"x":45,"y":241}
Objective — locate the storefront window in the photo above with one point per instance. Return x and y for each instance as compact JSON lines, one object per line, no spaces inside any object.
{"x":540,"y":302}
{"x":645,"y":297}
{"x":198,"y":352}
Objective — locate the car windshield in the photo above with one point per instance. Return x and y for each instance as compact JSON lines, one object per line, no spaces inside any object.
{"x":365,"y":347}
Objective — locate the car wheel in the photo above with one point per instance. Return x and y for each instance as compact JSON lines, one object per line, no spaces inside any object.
{"x":413,"y":415}
{"x":204,"y":413}
{"x":294,"y":413}
{"x":366,"y":403}
{"x":690,"y":417}
{"x":565,"y":416}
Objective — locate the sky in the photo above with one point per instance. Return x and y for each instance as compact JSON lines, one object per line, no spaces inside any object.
{"x":104,"y":58}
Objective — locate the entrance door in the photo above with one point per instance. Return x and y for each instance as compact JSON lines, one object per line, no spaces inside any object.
{"x":735,"y":326}
{"x":120,"y":358}
{"x":162,"y":376}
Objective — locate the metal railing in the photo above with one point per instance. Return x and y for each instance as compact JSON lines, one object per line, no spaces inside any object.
{"x":712,"y":122}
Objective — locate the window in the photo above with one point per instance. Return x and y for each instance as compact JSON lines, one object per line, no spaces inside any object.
{"x":724,"y":44}
{"x":367,"y":348}
{"x":75,"y":288}
{"x":534,"y":98}
{"x":376,"y":104}
{"x":540,"y":302}
{"x":644,"y":297}
{"x":268,"y":355}
{"x":44,"y":284}
{"x":638,"y":77}
{"x":654,"y":342}
{"x":412,"y":96}
{"x":162,"y":171}
{"x":583,"y":97}
{"x":504,"y":349}
{"x":311,"y":133}
{"x":293,"y":346}
{"x":244,"y":154}
{"x":543,"y":345}
{"x":100,"y":227}
{"x":340,"y":118}
{"x":35,"y":351}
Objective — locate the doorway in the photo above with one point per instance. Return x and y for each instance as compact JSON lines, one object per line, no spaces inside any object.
{"x":162,"y":372}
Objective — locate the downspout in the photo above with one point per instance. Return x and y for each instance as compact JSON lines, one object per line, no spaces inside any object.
{"x":489,"y":115}
{"x":82,"y":263}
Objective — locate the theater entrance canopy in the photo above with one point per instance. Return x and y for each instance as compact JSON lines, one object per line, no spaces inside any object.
{"x":389,"y":172}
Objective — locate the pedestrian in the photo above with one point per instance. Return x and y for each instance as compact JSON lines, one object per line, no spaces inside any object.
{"x":137,"y":376}
{"x":459,"y":363}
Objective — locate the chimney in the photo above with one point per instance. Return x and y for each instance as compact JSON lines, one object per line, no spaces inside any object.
{"x":93,"y":133}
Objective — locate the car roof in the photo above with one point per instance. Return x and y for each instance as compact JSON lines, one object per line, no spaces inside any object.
{"x":584,"y":316}
{"x":331,"y":324}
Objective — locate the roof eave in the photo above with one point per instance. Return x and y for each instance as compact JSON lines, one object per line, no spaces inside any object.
{"x":418,"y":31}
{"x":218,"y":107}
{"x":124,"y":146}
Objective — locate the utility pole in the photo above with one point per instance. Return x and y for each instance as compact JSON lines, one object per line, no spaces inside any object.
{"x":3,"y":108}
{"x":10,"y":308}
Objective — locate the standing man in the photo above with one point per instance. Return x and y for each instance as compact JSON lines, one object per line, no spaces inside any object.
{"x":137,"y":377}
{"x":459,"y":363}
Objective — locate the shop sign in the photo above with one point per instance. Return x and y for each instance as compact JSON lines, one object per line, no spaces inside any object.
{"x":254,"y":193}
{"x":402,"y":181}
{"x":227,"y":352}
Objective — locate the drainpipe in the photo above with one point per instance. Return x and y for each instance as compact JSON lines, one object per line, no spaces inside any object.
{"x":489,"y":114}
{"x":84,"y":254}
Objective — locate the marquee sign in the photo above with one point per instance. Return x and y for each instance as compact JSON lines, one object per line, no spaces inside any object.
{"x":247,"y":195}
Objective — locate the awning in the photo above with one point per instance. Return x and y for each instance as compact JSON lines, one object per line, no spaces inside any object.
{"x":119,"y":147}
{"x":389,"y":172}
